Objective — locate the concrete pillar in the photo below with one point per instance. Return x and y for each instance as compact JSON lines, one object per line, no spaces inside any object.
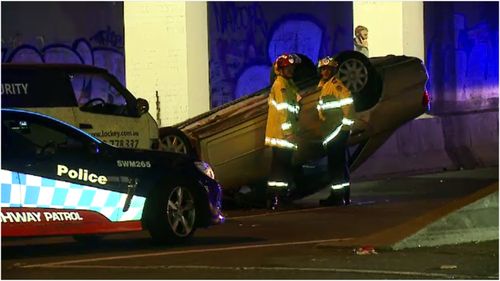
{"x":197,"y":58}
{"x":166,"y":51}
{"x":394,"y":27}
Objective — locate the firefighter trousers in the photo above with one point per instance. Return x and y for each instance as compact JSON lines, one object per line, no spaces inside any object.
{"x":338,"y":168}
{"x":281,"y":174}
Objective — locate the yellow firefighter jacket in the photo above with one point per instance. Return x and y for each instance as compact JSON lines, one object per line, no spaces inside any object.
{"x":283,"y":113}
{"x":334,"y":108}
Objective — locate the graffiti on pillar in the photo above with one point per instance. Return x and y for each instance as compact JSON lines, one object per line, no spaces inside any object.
{"x":64,"y":32}
{"x":246,"y":37}
{"x":109,"y":38}
{"x":239,"y":39}
{"x":106,"y":52}
{"x":462,"y":54}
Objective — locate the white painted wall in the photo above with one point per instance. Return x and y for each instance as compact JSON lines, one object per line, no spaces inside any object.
{"x":197,"y":58}
{"x":413,"y":29}
{"x":164,"y":45}
{"x":394,"y":27}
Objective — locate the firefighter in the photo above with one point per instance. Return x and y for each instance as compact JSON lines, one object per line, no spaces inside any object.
{"x":334,"y":110}
{"x":281,"y":127}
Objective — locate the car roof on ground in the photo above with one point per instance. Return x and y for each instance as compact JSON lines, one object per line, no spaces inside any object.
{"x":55,"y":66}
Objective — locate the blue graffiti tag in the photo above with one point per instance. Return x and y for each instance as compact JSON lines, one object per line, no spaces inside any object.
{"x":108,"y":38}
{"x":243,"y":45}
{"x":80,"y":52}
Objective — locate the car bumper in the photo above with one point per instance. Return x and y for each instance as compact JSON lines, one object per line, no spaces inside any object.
{"x":214,"y":194}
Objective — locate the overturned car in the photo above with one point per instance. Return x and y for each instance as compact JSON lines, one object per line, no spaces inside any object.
{"x":387,"y":92}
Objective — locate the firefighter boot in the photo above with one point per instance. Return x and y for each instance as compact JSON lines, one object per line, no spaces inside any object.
{"x":334,"y":199}
{"x":347,"y":195}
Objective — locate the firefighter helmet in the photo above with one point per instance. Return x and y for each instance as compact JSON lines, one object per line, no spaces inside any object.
{"x":327,"y":61}
{"x":286,"y":60}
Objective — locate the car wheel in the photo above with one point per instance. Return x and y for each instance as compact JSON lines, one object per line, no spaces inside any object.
{"x":171,"y":214}
{"x":174,"y":140}
{"x":360,"y":77}
{"x":354,"y":74}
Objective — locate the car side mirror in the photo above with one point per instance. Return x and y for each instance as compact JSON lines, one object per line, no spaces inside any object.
{"x":142,"y":106}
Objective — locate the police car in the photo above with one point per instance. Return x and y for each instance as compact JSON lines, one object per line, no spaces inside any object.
{"x":59,"y":180}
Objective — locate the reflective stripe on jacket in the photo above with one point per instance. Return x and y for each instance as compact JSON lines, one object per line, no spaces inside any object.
{"x":283,"y":113}
{"x":334,"y":108}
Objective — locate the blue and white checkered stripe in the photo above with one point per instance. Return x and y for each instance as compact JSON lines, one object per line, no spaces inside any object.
{"x":22,"y":190}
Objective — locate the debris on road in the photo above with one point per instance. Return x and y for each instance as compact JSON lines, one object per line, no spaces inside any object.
{"x":365,"y":250}
{"x":448,"y":266}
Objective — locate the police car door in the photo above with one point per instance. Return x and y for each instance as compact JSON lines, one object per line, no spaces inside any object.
{"x":107,"y":111}
{"x":10,"y":193}
{"x":60,"y":169}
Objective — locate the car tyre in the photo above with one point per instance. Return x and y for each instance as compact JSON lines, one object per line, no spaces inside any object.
{"x":358,"y":74}
{"x":171,"y":213}
{"x":174,"y":140}
{"x":353,"y":72}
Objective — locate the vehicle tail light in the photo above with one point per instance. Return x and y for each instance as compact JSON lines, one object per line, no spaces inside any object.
{"x":426,"y":100}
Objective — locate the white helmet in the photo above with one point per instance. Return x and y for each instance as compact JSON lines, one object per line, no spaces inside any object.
{"x":327,"y":61}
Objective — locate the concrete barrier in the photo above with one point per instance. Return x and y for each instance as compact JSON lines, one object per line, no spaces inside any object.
{"x":475,"y":222}
{"x":434,"y":144}
{"x":473,"y":218}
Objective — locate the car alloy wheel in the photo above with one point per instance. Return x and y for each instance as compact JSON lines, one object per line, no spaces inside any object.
{"x":353,"y":74}
{"x":181,"y":211}
{"x":175,"y":144}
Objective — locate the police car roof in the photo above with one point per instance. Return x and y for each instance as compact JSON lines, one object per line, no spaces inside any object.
{"x":17,"y":112}
{"x":70,"y":67}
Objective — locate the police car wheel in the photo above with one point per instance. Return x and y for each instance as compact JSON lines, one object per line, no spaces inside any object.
{"x":171,"y":214}
{"x":174,"y":140}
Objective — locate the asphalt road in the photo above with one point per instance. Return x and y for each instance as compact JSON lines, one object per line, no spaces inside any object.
{"x":285,"y":244}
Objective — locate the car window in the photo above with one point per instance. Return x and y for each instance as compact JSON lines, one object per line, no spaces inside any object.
{"x":36,"y":88}
{"x":96,"y":94}
{"x":32,"y":137}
